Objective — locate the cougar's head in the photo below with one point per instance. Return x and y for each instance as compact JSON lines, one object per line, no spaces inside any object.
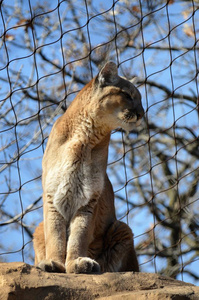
{"x":119,"y":101}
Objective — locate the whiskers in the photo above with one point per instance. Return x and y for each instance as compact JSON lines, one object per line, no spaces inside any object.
{"x":128,"y":120}
{"x":129,"y":116}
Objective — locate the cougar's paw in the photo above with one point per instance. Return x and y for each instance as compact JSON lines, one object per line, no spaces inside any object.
{"x":82,"y":265}
{"x":51,"y":266}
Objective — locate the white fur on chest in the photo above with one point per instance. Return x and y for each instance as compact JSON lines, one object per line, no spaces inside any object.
{"x":72,"y":183}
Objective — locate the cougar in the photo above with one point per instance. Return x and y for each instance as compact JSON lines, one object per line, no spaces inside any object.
{"x":80,"y":232}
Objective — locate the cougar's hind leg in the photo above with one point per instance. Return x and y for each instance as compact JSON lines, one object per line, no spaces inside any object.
{"x":118,"y":253}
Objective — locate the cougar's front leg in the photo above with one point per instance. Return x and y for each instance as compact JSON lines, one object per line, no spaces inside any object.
{"x":81,"y":233}
{"x":55,"y":239}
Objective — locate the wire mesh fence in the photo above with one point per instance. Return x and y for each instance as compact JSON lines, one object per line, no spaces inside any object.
{"x":48,"y":52}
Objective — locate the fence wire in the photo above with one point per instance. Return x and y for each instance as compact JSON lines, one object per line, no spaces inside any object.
{"x":48,"y":52}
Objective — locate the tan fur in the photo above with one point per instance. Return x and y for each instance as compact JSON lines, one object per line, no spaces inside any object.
{"x":80,"y":233}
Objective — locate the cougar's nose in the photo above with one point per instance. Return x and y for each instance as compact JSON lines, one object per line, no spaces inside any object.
{"x":139,"y":112}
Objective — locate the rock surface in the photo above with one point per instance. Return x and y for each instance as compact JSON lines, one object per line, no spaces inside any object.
{"x":22,"y":281}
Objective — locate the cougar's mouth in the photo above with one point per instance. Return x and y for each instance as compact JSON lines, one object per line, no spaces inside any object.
{"x":131,"y":117}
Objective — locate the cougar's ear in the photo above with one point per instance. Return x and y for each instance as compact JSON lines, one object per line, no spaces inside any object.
{"x":108,"y":74}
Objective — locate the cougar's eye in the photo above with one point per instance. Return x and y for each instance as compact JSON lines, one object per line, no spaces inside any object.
{"x":127,"y":96}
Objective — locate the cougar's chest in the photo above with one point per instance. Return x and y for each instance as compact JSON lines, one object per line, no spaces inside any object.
{"x":92,"y":178}
{"x":74,"y":183}
{"x":89,"y":176}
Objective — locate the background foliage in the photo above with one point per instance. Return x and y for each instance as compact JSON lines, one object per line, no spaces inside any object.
{"x":48,"y":51}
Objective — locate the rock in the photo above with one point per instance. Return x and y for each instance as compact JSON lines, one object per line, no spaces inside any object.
{"x":22,"y":281}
